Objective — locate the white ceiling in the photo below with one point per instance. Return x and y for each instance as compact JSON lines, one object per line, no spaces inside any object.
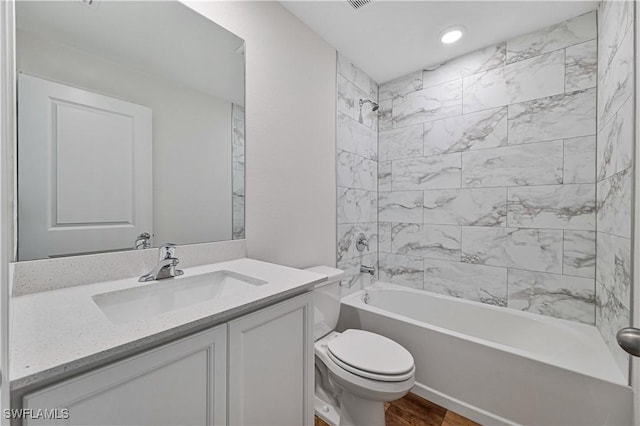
{"x":389,"y":39}
{"x":166,"y":39}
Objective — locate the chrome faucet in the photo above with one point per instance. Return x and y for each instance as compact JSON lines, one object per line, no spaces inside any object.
{"x":166,"y":267}
{"x":371,"y":270}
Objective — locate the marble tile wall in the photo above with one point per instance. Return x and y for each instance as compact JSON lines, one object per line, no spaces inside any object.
{"x":487,"y":174}
{"x":237,"y":170}
{"x":357,"y":171}
{"x":614,"y":171}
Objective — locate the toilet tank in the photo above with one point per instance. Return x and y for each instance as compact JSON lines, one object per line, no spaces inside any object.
{"x":326,"y":301}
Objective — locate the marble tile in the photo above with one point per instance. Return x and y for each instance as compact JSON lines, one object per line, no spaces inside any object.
{"x":611,"y":316}
{"x":613,"y":266}
{"x":558,"y":296}
{"x":356,"y":172}
{"x":356,"y":138}
{"x":615,"y":143}
{"x":237,"y":178}
{"x":351,"y":268}
{"x":486,"y":284}
{"x":401,"y":86}
{"x":537,"y":120}
{"x":346,"y":97}
{"x":237,"y":205}
{"x":531,"y":249}
{"x":384,"y":176}
{"x":435,"y":172}
{"x":401,"y":270}
{"x":344,"y":246}
{"x":579,"y":253}
{"x":384,"y":237}
{"x":559,"y":36}
{"x":433,"y":241}
{"x":400,"y":206}
{"x":552,"y":206}
{"x":237,"y":171}
{"x":484,"y":129}
{"x":373,"y":213}
{"x":433,"y":103}
{"x":533,"y":78}
{"x":615,"y":19}
{"x":353,"y":280}
{"x":385,"y":115}
{"x":405,"y":142}
{"x":581,"y":70}
{"x":354,"y":205}
{"x":466,"y":65}
{"x":615,"y":81}
{"x":530,"y":164}
{"x":358,"y":77}
{"x":614,"y":204}
{"x":579,"y":160}
{"x":238,"y":230}
{"x":481,"y":206}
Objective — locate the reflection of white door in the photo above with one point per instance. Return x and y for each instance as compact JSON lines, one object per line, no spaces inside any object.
{"x":84,"y":170}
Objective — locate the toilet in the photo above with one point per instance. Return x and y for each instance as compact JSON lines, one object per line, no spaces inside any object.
{"x":356,"y":371}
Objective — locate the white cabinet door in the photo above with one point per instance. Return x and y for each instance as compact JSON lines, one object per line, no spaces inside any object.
{"x":84,"y":170}
{"x":181,"y":383}
{"x":271,"y":365}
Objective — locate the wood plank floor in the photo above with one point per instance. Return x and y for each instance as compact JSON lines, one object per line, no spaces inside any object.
{"x":415,"y":411}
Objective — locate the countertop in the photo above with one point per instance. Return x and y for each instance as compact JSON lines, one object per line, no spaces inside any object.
{"x":59,"y":333}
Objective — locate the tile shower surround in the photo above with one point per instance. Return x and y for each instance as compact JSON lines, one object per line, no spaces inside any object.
{"x":482,"y":189}
{"x":614,"y":172}
{"x":357,"y":169}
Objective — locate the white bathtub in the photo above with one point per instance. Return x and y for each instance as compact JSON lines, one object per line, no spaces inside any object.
{"x":497,"y":365}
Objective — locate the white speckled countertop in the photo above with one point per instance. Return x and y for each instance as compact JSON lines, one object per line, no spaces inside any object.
{"x":59,"y":333}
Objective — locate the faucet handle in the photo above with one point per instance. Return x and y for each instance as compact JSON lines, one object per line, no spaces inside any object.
{"x":362,"y":242}
{"x":168,"y":251}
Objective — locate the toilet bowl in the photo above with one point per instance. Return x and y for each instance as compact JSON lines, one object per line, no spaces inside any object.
{"x":356,"y":371}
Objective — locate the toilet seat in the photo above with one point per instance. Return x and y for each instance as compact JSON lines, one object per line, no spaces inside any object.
{"x":371,"y":356}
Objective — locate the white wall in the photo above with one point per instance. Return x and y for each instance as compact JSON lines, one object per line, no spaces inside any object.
{"x":191,"y":137}
{"x":290,"y":135}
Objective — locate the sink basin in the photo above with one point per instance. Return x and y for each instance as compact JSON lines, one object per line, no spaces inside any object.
{"x":136,"y":303}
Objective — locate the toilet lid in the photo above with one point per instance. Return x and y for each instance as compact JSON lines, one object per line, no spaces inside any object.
{"x":369,"y":352}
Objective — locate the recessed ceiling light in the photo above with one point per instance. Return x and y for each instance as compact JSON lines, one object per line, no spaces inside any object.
{"x":452,"y":34}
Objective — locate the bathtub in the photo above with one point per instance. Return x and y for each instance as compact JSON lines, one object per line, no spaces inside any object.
{"x":496,"y":365}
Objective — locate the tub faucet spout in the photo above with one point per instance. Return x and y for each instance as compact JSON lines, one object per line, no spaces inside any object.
{"x":371,"y":270}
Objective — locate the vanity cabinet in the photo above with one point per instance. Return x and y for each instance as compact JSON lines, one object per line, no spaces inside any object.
{"x":181,"y":383}
{"x":271,"y":363}
{"x":254,"y":370}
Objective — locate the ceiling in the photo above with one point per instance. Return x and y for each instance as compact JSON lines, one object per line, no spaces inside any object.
{"x":166,"y":39}
{"x":389,"y":39}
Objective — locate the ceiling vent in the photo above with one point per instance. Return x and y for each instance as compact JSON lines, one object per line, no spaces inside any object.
{"x":357,"y":4}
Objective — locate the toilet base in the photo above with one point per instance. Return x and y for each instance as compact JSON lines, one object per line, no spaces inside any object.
{"x":328,"y":412}
{"x":354,"y":411}
{"x":357,"y":411}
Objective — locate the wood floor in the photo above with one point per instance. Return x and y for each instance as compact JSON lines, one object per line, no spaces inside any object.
{"x":415,"y":411}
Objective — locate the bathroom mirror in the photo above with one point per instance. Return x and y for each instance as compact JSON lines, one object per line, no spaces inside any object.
{"x":130,"y":127}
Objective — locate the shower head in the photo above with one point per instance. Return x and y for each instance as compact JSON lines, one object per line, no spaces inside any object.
{"x":374,"y":105}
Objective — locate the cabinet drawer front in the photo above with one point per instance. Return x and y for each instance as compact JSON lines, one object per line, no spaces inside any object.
{"x":181,"y":383}
{"x":271,"y":365}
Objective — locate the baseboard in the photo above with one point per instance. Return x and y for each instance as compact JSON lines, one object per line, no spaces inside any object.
{"x":466,"y":410}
